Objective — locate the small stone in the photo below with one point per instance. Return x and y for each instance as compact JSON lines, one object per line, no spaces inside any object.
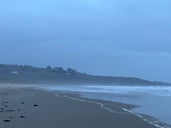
{"x":10,"y":110}
{"x":35,"y":105}
{"x":7,"y":120}
{"x":22,"y":117}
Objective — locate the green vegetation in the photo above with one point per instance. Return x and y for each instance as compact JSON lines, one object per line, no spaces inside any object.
{"x":57,"y":75}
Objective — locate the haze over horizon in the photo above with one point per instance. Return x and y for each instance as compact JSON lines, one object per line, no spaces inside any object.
{"x":104,"y":37}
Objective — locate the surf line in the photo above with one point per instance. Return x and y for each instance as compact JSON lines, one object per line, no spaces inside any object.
{"x":154,"y":122}
{"x":102,"y":106}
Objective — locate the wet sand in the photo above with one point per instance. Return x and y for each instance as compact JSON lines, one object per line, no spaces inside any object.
{"x":29,"y":108}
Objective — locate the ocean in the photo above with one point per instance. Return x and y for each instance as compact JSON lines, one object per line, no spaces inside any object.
{"x":154,"y":101}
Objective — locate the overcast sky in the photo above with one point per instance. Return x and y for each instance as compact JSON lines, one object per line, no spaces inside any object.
{"x":105,"y":37}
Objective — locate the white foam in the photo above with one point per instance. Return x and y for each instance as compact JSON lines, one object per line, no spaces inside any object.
{"x":94,"y":102}
{"x":129,"y":90}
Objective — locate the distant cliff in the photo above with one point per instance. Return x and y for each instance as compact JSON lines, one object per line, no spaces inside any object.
{"x":57,"y":75}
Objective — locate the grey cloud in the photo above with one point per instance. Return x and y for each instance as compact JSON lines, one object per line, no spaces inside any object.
{"x":108,"y":37}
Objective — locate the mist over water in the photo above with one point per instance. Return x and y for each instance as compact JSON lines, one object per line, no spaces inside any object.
{"x":153,"y":100}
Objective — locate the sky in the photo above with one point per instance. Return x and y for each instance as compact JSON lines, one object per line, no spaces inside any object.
{"x":102,"y":37}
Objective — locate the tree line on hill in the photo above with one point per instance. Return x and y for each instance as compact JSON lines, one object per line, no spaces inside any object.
{"x":58,"y":75}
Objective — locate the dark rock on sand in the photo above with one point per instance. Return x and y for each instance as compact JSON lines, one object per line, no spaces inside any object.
{"x":22,"y":117}
{"x":10,"y":110}
{"x":7,"y":120}
{"x":36,"y":105}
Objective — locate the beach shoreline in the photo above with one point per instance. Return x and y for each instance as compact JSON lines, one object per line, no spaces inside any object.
{"x":32,"y":108}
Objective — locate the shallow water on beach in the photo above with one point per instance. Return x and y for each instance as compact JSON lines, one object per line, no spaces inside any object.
{"x":154,"y":101}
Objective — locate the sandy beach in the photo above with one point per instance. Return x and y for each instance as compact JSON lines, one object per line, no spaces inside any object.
{"x":29,"y":108}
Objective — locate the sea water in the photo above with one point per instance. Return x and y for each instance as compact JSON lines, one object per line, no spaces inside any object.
{"x":154,"y":101}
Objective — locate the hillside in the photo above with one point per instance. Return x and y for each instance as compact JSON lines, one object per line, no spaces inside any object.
{"x":57,"y":75}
